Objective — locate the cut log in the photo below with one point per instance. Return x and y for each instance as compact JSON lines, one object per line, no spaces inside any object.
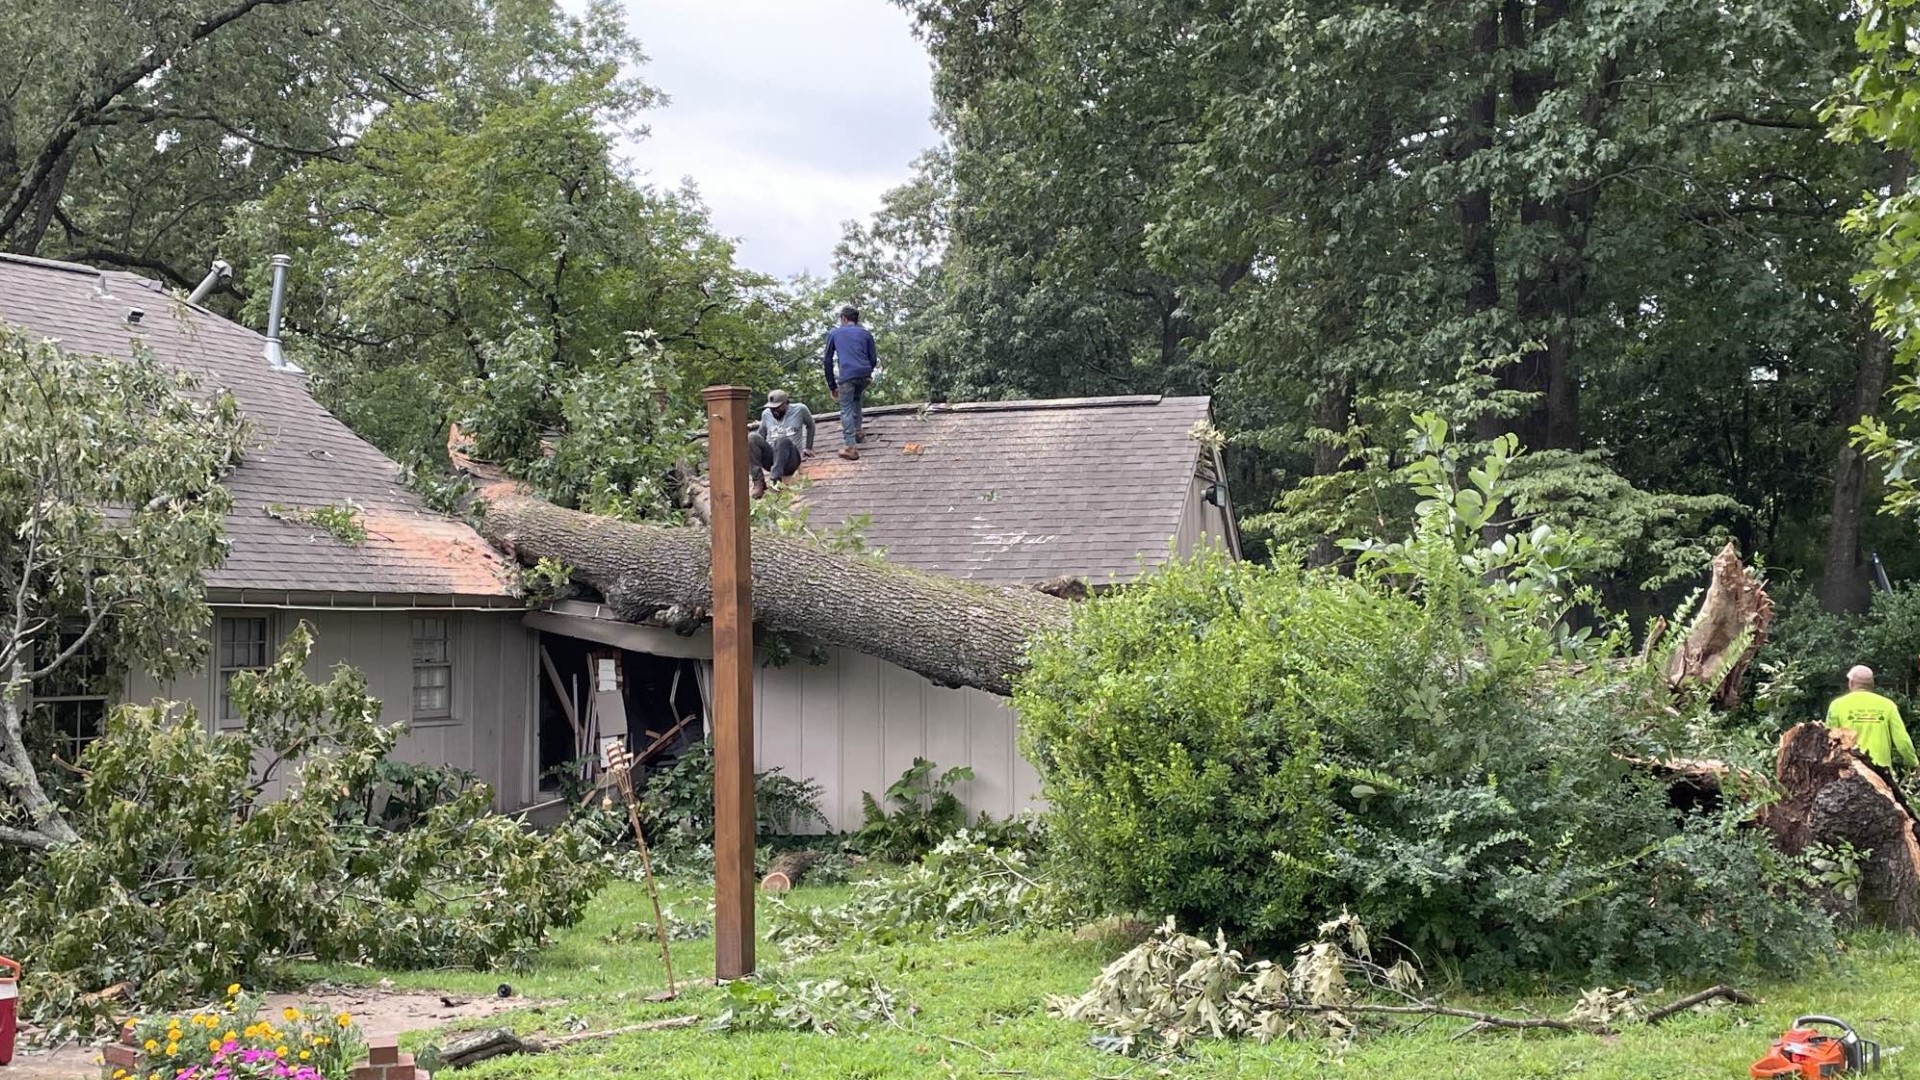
{"x":1830,"y":795}
{"x":788,"y":869}
{"x":1724,"y":636}
{"x":471,"y":1049}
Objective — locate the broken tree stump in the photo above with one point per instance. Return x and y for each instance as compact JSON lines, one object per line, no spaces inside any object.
{"x":1830,"y":794}
{"x":1724,"y":635}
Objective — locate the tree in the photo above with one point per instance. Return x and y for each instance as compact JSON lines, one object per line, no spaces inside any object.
{"x":111,"y":506}
{"x":485,"y":256}
{"x":1607,"y":226}
{"x":129,"y":130}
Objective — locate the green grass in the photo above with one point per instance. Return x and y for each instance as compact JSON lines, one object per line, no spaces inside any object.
{"x":975,"y":1008}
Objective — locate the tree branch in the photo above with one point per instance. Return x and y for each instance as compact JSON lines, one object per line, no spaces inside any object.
{"x":81,"y":113}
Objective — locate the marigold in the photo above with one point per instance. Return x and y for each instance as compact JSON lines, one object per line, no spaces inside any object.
{"x":173,"y":1048}
{"x":306,"y":1055}
{"x":213,"y":1046}
{"x":279,"y":1051}
{"x":344,"y":1020}
{"x":152,"y":1045}
{"x":290,"y":1013}
{"x":233,"y":1036}
{"x":233,"y":990}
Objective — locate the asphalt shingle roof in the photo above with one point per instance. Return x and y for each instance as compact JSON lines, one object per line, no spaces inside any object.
{"x":1016,"y":491}
{"x":302,"y":456}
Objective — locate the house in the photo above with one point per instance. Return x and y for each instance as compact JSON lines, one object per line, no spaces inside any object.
{"x":424,"y":606}
{"x":1017,"y":492}
{"x":1010,"y":492}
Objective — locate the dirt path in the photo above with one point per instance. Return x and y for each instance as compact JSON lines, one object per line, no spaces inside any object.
{"x":378,"y":1012}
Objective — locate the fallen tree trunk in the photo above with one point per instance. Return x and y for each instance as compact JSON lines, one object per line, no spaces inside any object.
{"x":1831,"y":795}
{"x":955,"y":632}
{"x":1725,"y":634}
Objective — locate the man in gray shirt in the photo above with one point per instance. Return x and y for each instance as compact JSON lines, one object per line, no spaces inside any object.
{"x":774,"y":451}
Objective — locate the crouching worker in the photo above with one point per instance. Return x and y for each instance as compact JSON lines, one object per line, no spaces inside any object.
{"x":1878,"y":731}
{"x":775,"y":451}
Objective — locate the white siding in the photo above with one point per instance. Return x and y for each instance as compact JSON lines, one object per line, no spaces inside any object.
{"x":854,"y":724}
{"x":493,"y":655}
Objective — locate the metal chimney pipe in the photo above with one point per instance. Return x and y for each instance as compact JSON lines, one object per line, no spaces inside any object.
{"x":275,"y":359}
{"x":220,"y":272}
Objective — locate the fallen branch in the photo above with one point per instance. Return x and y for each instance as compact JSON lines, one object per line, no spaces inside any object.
{"x":541,"y":1046}
{"x":1723,"y":992}
{"x":499,"y":1042}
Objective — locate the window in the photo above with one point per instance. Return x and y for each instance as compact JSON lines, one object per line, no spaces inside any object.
{"x":70,"y":705}
{"x":243,"y":647}
{"x":432,"y":670}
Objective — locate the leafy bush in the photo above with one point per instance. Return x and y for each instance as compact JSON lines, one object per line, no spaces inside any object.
{"x":964,"y":885}
{"x":231,"y":1039}
{"x":677,"y":805}
{"x":925,"y":812}
{"x":1259,"y":749}
{"x":185,"y":877}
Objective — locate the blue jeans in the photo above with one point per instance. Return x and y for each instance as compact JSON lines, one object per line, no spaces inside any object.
{"x":853,"y":393}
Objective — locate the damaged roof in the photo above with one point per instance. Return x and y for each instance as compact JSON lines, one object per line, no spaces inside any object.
{"x":1017,"y":491}
{"x":301,"y":456}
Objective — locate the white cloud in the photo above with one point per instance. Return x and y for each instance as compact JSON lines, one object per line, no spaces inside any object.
{"x":790,"y":117}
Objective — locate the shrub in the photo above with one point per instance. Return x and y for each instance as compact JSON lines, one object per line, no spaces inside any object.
{"x":677,"y":805}
{"x":1258,"y":749}
{"x":185,"y":876}
{"x":925,"y":811}
{"x":1804,"y":663}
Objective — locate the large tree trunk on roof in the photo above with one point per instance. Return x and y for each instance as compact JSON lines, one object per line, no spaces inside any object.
{"x":956,"y":633}
{"x":1829,"y":795}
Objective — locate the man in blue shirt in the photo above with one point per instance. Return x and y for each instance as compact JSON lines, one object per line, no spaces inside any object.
{"x":853,"y":347}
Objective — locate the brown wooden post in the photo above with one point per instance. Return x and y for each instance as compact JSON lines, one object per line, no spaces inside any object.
{"x":733,"y":816}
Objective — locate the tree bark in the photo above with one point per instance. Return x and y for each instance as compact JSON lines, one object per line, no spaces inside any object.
{"x":956,"y":633}
{"x":1844,"y":588}
{"x":1831,"y":795}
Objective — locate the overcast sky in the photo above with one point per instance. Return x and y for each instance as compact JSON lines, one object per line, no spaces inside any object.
{"x":791,"y":116}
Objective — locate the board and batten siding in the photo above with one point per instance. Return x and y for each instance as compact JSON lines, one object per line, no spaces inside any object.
{"x":488,"y":730}
{"x":855,"y":723}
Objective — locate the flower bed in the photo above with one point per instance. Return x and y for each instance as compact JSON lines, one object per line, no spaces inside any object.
{"x":233,"y":1041}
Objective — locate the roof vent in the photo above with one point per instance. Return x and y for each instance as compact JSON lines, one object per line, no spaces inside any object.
{"x":276,"y":359}
{"x":219,"y":272}
{"x":134,"y":315}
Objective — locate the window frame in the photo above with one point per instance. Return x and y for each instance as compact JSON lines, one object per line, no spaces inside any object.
{"x":70,"y":744}
{"x":440,"y":660}
{"x":223,"y":716}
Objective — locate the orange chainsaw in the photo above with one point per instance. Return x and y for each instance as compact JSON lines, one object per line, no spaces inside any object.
{"x":1805,"y":1052}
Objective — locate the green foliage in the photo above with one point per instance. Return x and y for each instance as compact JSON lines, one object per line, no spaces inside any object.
{"x":1803,"y":664}
{"x":188,"y":876}
{"x":925,"y":810}
{"x":822,"y":1006}
{"x":340,"y":522}
{"x":402,"y":794}
{"x":112,"y":509}
{"x":545,"y":581}
{"x":1258,"y":749}
{"x":968,"y":884}
{"x":677,"y":804}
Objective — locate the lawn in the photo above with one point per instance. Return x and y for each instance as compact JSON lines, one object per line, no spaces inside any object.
{"x":975,"y":1008}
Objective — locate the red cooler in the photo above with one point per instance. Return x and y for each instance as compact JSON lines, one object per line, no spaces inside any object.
{"x":9,"y":1006}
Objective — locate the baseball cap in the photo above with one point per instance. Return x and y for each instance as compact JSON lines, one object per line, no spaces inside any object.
{"x":776,"y":399}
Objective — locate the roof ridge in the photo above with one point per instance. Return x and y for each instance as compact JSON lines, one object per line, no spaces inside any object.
{"x":941,"y":408}
{"x":50,"y":264}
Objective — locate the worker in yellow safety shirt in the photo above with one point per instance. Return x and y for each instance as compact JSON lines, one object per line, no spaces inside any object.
{"x":1875,"y":722}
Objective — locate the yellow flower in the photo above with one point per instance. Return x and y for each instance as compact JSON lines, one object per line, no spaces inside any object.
{"x":290,"y":1013}
{"x":344,"y":1020}
{"x":213,"y":1046}
{"x":306,"y":1055}
{"x":234,"y":990}
{"x":119,"y":1074}
{"x":152,"y":1045}
{"x":279,"y":1051}
{"x":173,"y":1048}
{"x":232,"y":1035}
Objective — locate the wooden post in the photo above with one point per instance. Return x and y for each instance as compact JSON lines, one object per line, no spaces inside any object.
{"x":733,"y":816}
